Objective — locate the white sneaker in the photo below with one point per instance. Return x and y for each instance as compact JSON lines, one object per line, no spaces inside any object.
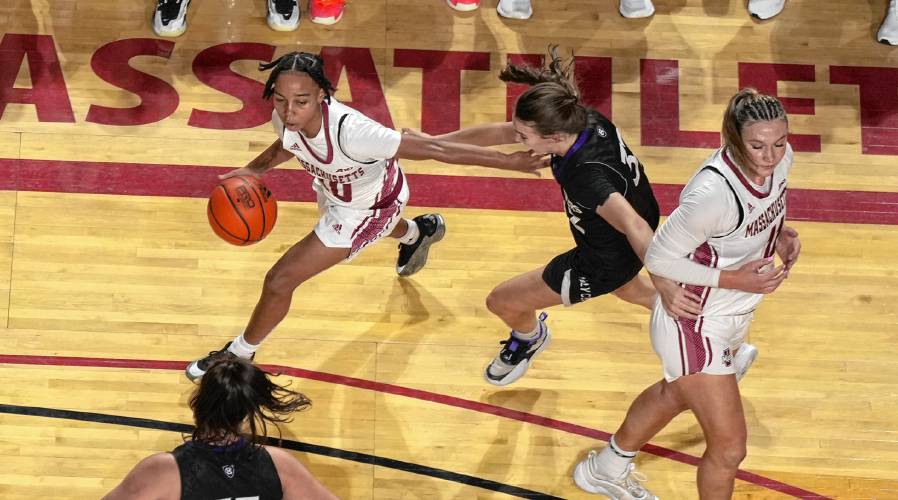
{"x":888,"y":32}
{"x":765,"y":9}
{"x":515,"y":9}
{"x":743,"y":359}
{"x":283,"y":15}
{"x":635,"y":9}
{"x":626,"y":487}
{"x":170,"y":18}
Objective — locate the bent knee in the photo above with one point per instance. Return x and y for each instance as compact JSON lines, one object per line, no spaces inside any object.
{"x":280,"y":282}
{"x":499,"y":302}
{"x":728,"y":454}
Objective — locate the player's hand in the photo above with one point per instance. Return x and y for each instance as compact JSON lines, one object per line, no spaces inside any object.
{"x":526,"y":161}
{"x":757,"y":276}
{"x":788,"y":247}
{"x":247,"y":171}
{"x":677,"y":301}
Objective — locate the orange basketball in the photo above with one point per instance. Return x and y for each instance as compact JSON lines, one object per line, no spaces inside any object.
{"x":242,"y":210}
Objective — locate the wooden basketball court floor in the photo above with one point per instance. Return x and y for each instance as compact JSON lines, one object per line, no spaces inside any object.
{"x":110,"y":279}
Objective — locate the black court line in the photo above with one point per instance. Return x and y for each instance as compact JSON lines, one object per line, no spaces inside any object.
{"x":289,"y":444}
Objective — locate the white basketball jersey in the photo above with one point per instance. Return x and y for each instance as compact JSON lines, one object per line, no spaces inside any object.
{"x":762,"y":212}
{"x":356,"y":183}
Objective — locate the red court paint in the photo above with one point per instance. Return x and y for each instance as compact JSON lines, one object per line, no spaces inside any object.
{"x":409,"y":393}
{"x":496,"y":193}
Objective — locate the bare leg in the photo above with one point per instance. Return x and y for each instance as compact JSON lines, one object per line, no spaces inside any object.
{"x":516,"y":301}
{"x":715,"y":401}
{"x":649,"y":413}
{"x":400,"y":229}
{"x":639,"y":291}
{"x":302,"y":261}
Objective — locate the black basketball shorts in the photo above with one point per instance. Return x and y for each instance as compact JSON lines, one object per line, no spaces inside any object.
{"x":577,"y":278}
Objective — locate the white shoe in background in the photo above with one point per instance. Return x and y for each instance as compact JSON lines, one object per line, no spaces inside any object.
{"x":888,"y":32}
{"x":635,"y":9}
{"x":765,"y":9}
{"x":515,"y":9}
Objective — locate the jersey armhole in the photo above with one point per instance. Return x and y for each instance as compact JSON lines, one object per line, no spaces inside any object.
{"x":735,"y":197}
{"x":340,"y":145}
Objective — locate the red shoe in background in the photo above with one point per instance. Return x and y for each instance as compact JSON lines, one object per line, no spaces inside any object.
{"x":326,"y":11}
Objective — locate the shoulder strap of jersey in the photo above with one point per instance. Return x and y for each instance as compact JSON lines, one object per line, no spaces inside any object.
{"x":735,"y":197}
{"x":340,"y":145}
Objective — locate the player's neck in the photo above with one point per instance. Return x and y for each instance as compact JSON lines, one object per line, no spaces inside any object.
{"x":565,"y":144}
{"x":310,"y":131}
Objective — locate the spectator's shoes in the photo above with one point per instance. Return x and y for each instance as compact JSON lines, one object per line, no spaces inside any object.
{"x":464,"y":5}
{"x":283,"y":15}
{"x":515,"y":9}
{"x":765,"y":9}
{"x":170,"y":17}
{"x":635,"y":9}
{"x":888,"y":32}
{"x":326,"y":11}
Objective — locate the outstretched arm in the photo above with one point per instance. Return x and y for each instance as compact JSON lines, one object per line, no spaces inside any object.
{"x":420,"y":147}
{"x":487,"y":134}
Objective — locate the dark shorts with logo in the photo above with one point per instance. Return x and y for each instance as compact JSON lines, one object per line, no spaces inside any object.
{"x":577,"y":278}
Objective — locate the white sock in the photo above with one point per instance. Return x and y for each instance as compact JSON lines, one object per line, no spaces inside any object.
{"x":241,"y":348}
{"x":527,"y":335}
{"x":411,"y":235}
{"x":614,"y":461}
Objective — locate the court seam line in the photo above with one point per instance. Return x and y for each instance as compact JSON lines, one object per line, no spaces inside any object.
{"x":411,"y":393}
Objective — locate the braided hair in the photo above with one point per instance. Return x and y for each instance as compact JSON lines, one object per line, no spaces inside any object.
{"x":746,"y":108}
{"x":552,"y":103}
{"x":304,"y":62}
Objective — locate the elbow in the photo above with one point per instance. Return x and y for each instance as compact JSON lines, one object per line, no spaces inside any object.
{"x":653,"y":263}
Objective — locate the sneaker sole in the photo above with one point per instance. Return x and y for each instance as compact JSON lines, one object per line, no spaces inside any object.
{"x":170,"y":33}
{"x":326,"y":21}
{"x":419,"y":259}
{"x":283,"y":27}
{"x":463,"y":7}
{"x":583,"y":483}
{"x":518,"y":371}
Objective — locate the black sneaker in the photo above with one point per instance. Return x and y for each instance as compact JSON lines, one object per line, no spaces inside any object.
{"x":196,"y":369}
{"x":283,"y":15}
{"x":516,"y":355}
{"x":413,"y":257}
{"x":170,"y":17}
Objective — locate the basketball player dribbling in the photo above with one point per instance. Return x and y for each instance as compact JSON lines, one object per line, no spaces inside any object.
{"x":720,"y":241}
{"x":360,"y":187}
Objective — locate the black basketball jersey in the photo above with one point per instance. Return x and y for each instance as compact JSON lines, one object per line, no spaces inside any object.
{"x":239,"y":470}
{"x":597,"y":165}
